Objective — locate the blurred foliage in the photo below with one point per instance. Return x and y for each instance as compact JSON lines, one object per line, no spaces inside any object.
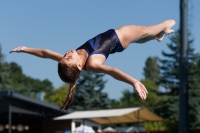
{"x":154,"y":102}
{"x":26,"y":85}
{"x":155,"y":126}
{"x":2,"y":71}
{"x":152,"y":69}
{"x":170,"y":81}
{"x":131,"y":99}
{"x":12,"y":78}
{"x":89,"y":95}
{"x":58,"y":96}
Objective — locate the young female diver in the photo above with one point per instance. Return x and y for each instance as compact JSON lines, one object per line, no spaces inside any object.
{"x":93,"y":53}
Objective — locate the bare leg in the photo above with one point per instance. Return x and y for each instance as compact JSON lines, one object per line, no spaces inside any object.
{"x":132,"y":33}
{"x":159,"y":37}
{"x":143,"y":40}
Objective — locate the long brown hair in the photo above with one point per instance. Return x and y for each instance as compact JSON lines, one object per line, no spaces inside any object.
{"x":68,"y":73}
{"x":69,"y":97}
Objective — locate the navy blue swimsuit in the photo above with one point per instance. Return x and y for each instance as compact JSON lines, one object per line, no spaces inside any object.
{"x":105,"y":43}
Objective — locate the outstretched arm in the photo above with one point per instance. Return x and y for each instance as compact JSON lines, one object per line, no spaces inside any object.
{"x":42,"y":53}
{"x":119,"y":75}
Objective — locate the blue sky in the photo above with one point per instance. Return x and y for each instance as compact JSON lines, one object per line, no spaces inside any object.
{"x":64,"y":25}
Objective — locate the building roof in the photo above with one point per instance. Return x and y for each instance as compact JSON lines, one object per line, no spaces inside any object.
{"x":25,"y":104}
{"x":114,"y":116}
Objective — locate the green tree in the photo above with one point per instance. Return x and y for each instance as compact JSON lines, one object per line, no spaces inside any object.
{"x":194,"y":93}
{"x":59,"y":95}
{"x":89,"y":93}
{"x":12,"y":78}
{"x":155,"y":126}
{"x":131,"y":99}
{"x":4,"y":84}
{"x":152,"y":69}
{"x":170,"y":81}
{"x":154,"y":101}
{"x":2,"y":72}
{"x":126,"y":99}
{"x":26,"y":85}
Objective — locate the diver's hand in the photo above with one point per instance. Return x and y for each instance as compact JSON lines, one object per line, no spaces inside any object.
{"x":18,"y":49}
{"x":141,"y":90}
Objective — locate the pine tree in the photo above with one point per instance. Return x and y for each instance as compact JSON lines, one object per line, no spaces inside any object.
{"x":151,"y":69}
{"x":170,"y":81}
{"x":89,"y":95}
{"x":194,"y":93}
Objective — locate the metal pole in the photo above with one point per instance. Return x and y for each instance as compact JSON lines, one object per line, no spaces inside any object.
{"x":83,"y":125}
{"x":183,"y":72}
{"x":9,"y":119}
{"x":139,"y":121}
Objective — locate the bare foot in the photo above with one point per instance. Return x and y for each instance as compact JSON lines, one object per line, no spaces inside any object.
{"x":169,"y":24}
{"x":161,"y":35}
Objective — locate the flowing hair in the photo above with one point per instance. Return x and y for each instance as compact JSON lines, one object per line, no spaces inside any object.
{"x":68,"y":73}
{"x":69,"y":97}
